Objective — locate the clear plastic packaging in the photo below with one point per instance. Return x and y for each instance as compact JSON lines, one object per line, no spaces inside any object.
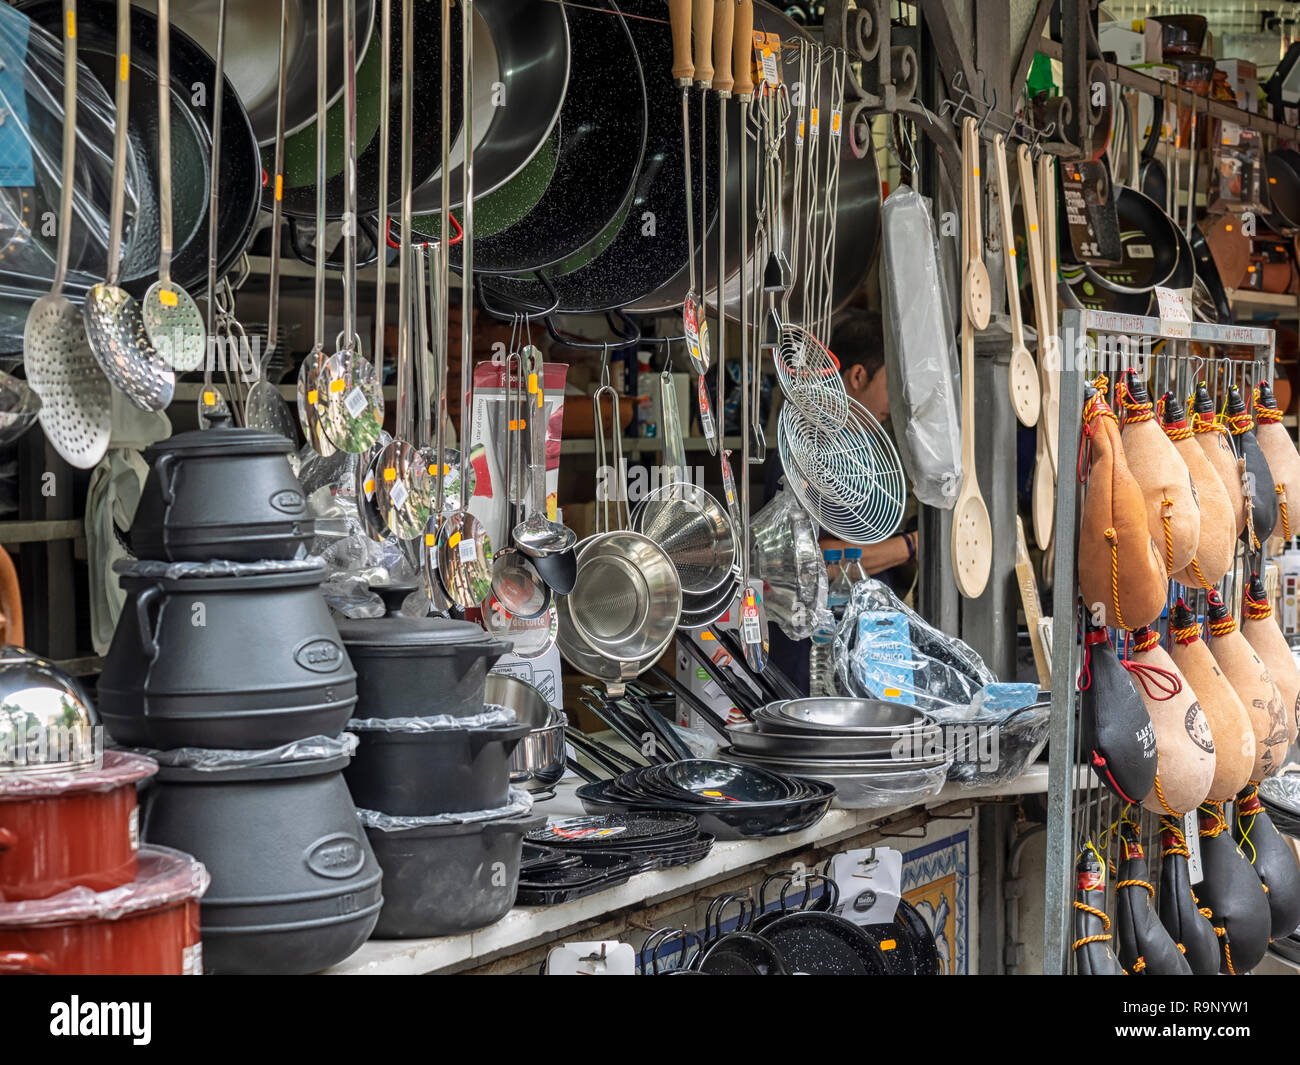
{"x":165,"y":876}
{"x":1282,"y":790}
{"x":306,"y":750}
{"x":520,"y":802}
{"x":217,"y":568}
{"x":352,"y":597}
{"x":993,"y":746}
{"x":885,"y":650}
{"x":492,"y":717}
{"x":869,"y":791}
{"x":785,"y":554}
{"x":920,"y":351}
{"x":118,"y":768}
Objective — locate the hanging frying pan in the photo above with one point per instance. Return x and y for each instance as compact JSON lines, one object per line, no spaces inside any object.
{"x":584,"y":174}
{"x":1282,"y":166}
{"x":646,"y":244}
{"x":253,"y":53}
{"x":858,"y":211}
{"x":521,"y":70}
{"x":1153,"y":182}
{"x":1150,"y":245}
{"x":1216,"y":306}
{"x":241,"y":175}
{"x":1081,"y":292}
{"x":426,"y":147}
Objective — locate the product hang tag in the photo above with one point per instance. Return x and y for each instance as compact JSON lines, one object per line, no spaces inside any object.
{"x":355,"y":402}
{"x":608,"y":958}
{"x":870,"y":884}
{"x":1192,"y":833}
{"x":398,"y":494}
{"x":467,"y":550}
{"x":1175,"y":313}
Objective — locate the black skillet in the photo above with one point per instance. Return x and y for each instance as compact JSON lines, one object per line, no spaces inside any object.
{"x":1151,"y":245}
{"x":1153,"y":182}
{"x":588,"y":168}
{"x":241,"y":173}
{"x":822,"y":944}
{"x":426,"y":121}
{"x":645,"y":245}
{"x":736,"y":953}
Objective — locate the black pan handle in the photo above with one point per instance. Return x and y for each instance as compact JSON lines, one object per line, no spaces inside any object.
{"x":583,"y":771}
{"x":514,"y":308}
{"x":743,"y":702}
{"x":1153,"y":138}
{"x":661,"y":676}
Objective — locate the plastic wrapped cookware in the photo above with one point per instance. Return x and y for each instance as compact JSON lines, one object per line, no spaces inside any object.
{"x":295,"y":886}
{"x":78,"y":828}
{"x":226,"y":655}
{"x":146,"y":927}
{"x":417,"y":766}
{"x":221,"y":493}
{"x":419,"y":667}
{"x":449,"y":874}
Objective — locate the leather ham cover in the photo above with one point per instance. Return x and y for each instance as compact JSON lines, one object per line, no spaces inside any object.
{"x":1233,"y":894}
{"x":1262,"y":632}
{"x":1217,"y":535}
{"x":1115,"y":728}
{"x":1259,"y":478}
{"x":1121,"y":575}
{"x":1179,"y":907}
{"x":1184,"y":744}
{"x":1273,"y":860}
{"x":1254,"y":686}
{"x":1283,"y":461}
{"x":1092,"y":937}
{"x":1216,"y":445}
{"x":1173,"y":515}
{"x":1145,"y":946}
{"x":1234,"y":738}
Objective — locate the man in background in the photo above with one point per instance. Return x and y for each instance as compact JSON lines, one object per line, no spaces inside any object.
{"x":858,"y":343}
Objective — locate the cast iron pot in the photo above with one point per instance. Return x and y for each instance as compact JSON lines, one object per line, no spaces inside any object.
{"x":419,"y":773}
{"x":419,"y":667}
{"x":441,"y":880}
{"x":295,"y":886}
{"x":221,"y":493}
{"x":264,"y":667}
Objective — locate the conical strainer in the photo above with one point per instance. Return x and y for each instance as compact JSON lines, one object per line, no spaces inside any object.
{"x":111,"y":315}
{"x":76,"y":398}
{"x":171,"y":317}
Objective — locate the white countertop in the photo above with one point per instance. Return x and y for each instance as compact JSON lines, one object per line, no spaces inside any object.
{"x":526,"y":926}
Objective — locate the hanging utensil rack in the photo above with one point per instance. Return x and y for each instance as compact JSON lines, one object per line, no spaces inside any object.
{"x":1014,"y":128}
{"x":1079,"y":810}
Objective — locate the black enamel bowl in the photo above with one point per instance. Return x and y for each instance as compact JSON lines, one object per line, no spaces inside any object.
{"x":729,"y":822}
{"x":703,"y":780}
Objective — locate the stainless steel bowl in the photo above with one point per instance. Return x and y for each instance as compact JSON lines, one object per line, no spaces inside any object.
{"x":531,"y":707}
{"x":747,"y":738}
{"x":627,"y":599}
{"x":47,"y":723}
{"x":833,"y":714}
{"x":537,"y":763}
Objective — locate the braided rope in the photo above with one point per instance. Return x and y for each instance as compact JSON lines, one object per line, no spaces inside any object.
{"x":1186,"y":635}
{"x":1137,"y":883}
{"x":1281,"y":506}
{"x":1203,"y":424}
{"x":1166,"y":512}
{"x":1103,"y":936}
{"x":1113,"y":537}
{"x":1257,"y":610}
{"x":1239,"y":423}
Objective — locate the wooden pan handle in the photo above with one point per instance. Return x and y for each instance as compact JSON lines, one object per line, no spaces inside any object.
{"x":702,"y":29}
{"x":742,"y":49}
{"x":679,"y":16}
{"x":724,"y":18}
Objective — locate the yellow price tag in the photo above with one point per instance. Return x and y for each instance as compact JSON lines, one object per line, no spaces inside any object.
{"x":532,"y":383}
{"x":124,"y":68}
{"x":370,"y":485}
{"x":279,"y":186}
{"x":72,"y":26}
{"x":390,"y":475}
{"x":888,"y":944}
{"x":430,"y":539}
{"x":453,"y":540}
{"x":168,"y":298}
{"x":338,"y":385}
{"x":312,"y":397}
{"x":209,"y":398}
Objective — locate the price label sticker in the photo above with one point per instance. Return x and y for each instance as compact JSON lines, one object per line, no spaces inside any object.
{"x":168,"y":298}
{"x":355,"y":402}
{"x":337,"y":385}
{"x":814,"y":129}
{"x":312,"y":397}
{"x":467,"y":551}
{"x":453,"y":540}
{"x":1175,"y":313}
{"x":798,"y":134}
{"x":369,"y":487}
{"x":1191,"y":832}
{"x":399,"y":495}
{"x":706,"y":414}
{"x":836,"y":119}
{"x":771,"y":72}
{"x":431,"y":541}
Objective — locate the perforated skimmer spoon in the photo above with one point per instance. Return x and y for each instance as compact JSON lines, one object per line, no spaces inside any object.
{"x":76,"y":398}
{"x":171,"y":317}
{"x":549,"y":543}
{"x":1022,"y":375}
{"x":110,"y":314}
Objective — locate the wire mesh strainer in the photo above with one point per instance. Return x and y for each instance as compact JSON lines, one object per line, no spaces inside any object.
{"x":810,"y":376}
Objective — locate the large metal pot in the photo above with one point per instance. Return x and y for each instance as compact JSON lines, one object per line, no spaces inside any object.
{"x":295,"y":886}
{"x":419,"y":667}
{"x":221,"y":493}
{"x":415,"y":771}
{"x":245,"y":661}
{"x":148,"y":927}
{"x":539,"y":761}
{"x":445,"y":879}
{"x":72,"y":829}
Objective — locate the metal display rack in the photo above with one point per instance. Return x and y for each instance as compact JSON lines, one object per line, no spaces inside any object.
{"x":1076,"y":801}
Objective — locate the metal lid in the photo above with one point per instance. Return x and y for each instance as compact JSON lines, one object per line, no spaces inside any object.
{"x":401,"y":635}
{"x":223,"y":438}
{"x":47,"y":723}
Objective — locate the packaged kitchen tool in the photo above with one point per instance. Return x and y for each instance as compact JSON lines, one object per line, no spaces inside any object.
{"x":920,"y":354}
{"x":885,"y":650}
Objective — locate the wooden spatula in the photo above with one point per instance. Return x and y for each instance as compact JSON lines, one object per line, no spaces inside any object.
{"x":1022,"y":375}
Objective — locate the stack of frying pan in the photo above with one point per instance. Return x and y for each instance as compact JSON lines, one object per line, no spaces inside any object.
{"x":579,"y":856}
{"x":873,"y":753}
{"x":729,"y":801}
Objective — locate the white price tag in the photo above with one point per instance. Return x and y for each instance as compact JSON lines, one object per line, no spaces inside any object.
{"x":399,"y":494}
{"x":133,"y":828}
{"x":192,"y":960}
{"x":468,"y":552}
{"x":1231,"y":134}
{"x":771,"y":73}
{"x":751,"y":631}
{"x":1192,"y":833}
{"x":1175,"y":313}
{"x":355,"y":402}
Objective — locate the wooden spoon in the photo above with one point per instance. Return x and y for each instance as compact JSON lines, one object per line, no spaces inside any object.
{"x":1044,"y":489}
{"x":972,"y":531}
{"x":1049,"y":366}
{"x":1022,"y":375}
{"x":976,"y":294}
